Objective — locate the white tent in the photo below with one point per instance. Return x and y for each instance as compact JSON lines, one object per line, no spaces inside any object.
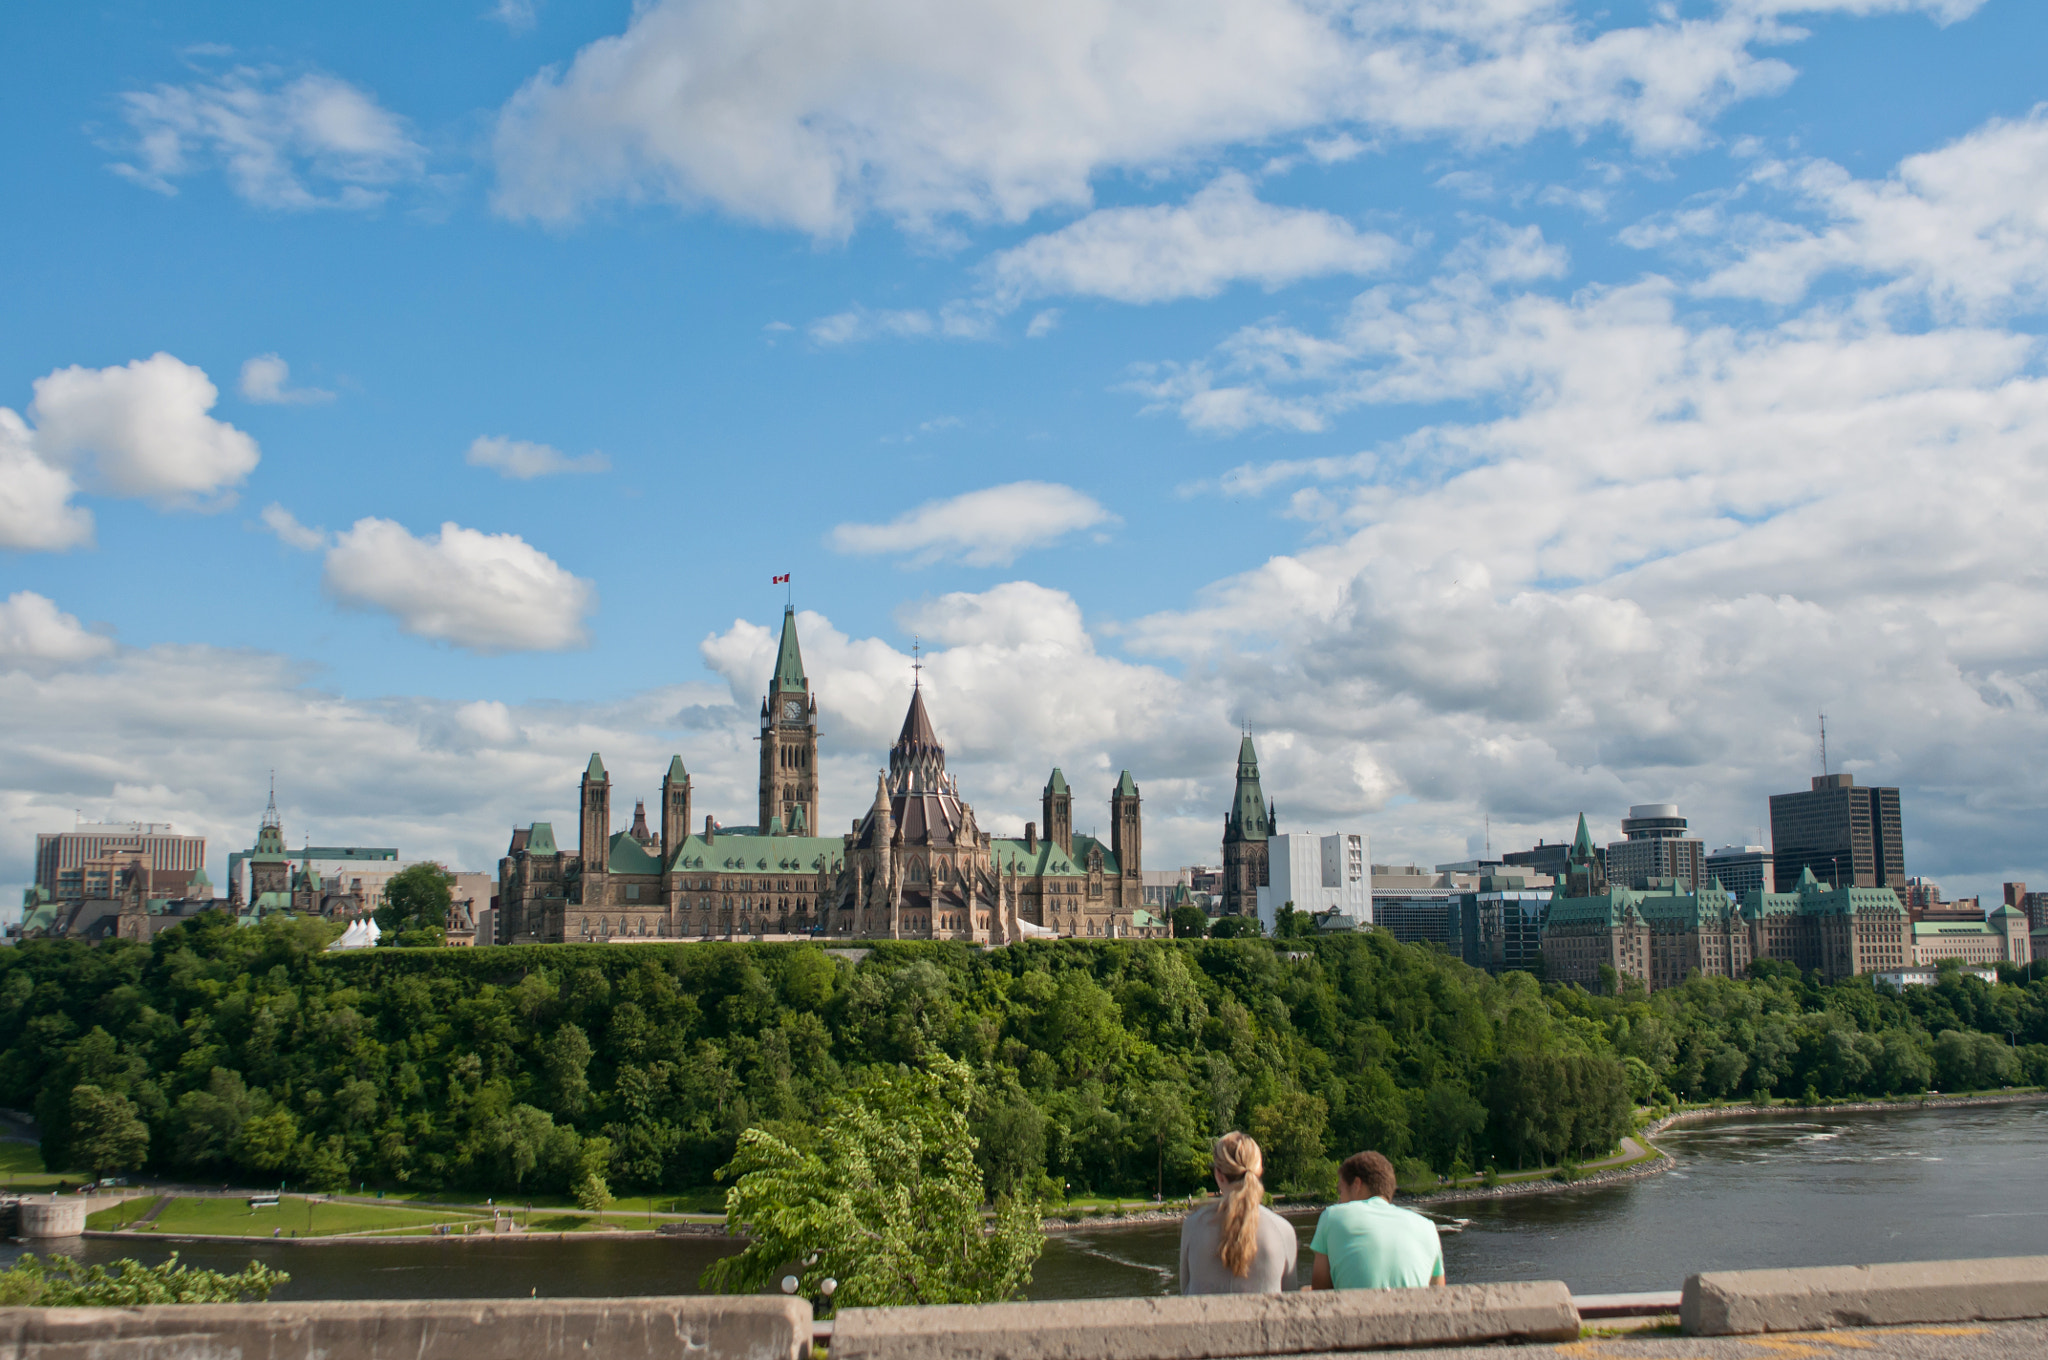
{"x":361,"y":934}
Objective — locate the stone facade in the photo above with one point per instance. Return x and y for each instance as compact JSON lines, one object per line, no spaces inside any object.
{"x":1247,"y":830}
{"x":915,"y":866}
{"x":1662,"y":934}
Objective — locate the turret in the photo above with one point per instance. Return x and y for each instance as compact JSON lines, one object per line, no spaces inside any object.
{"x":593,"y":847}
{"x":1058,"y":805}
{"x":1126,"y":833}
{"x":675,"y":810}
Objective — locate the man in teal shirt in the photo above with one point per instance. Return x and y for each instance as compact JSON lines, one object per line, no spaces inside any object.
{"x":1364,"y":1242}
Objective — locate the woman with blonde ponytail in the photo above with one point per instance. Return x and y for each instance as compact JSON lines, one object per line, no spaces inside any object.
{"x":1235,"y":1244}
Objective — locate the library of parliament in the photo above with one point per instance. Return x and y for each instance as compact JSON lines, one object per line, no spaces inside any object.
{"x":915,"y":865}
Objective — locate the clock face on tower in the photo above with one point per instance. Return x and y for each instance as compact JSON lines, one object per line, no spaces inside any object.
{"x":792,"y":710}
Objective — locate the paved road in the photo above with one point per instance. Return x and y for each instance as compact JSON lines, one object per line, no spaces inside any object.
{"x":1970,"y":1341}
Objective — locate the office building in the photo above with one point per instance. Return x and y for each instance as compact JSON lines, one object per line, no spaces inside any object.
{"x":1846,"y":835}
{"x":1547,"y":858}
{"x":1318,"y":874}
{"x":74,"y":865}
{"x":1919,"y":894}
{"x":1501,"y":922}
{"x":2032,"y":905}
{"x":1655,"y":848}
{"x":1740,"y":869}
{"x":2002,"y":937}
{"x":1417,"y":905}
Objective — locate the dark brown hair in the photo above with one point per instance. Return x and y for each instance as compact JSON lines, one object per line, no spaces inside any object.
{"x":1372,"y":1171}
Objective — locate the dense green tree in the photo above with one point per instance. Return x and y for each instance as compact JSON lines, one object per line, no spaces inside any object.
{"x":1190,"y":923}
{"x":106,"y":1133}
{"x":882,"y":1195}
{"x":1235,"y":928}
{"x":414,"y":912}
{"x":60,"y":1282}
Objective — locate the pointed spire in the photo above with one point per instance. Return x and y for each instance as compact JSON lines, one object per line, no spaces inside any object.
{"x":1126,"y":787}
{"x":676,"y":773}
{"x":917,"y":723}
{"x":270,"y":817}
{"x":789,"y":659}
{"x":1250,"y":818}
{"x":1582,"y":844}
{"x":596,"y":769}
{"x":1058,"y":782}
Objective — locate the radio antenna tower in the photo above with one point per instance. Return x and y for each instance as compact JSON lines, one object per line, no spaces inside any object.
{"x":1823,"y":745}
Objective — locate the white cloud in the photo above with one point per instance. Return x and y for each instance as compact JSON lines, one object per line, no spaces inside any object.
{"x":517,"y":15}
{"x":36,"y":513}
{"x":1043,"y":323}
{"x":313,"y":141}
{"x":1964,"y":227}
{"x":484,"y":592}
{"x":813,"y":114}
{"x":143,"y":429}
{"x":980,"y":528}
{"x":290,"y":532}
{"x":264,"y":378}
{"x":1220,"y":236}
{"x":1504,"y":254}
{"x":36,"y":636}
{"x":518,"y":459}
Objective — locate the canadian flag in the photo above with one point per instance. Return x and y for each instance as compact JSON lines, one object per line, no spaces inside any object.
{"x":777,"y":580}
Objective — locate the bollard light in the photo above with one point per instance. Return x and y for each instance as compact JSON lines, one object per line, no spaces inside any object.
{"x":789,"y":1283}
{"x":827,"y":1287}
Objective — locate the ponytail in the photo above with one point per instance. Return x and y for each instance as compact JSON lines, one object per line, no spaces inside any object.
{"x":1238,"y":1159}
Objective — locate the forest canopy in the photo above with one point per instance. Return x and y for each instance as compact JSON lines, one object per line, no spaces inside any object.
{"x":220,"y":1051}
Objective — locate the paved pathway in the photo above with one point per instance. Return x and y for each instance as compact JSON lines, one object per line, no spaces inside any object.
{"x":1967,"y":1341}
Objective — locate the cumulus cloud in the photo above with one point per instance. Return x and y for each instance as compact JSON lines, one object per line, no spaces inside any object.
{"x":290,"y":532}
{"x":984,"y":528}
{"x":264,"y":380}
{"x":1221,"y":235}
{"x":522,"y":461}
{"x":36,"y":513}
{"x":813,"y":115}
{"x":36,"y":636}
{"x":299,"y":143}
{"x":142,"y":429}
{"x":1963,"y":227}
{"x":483,"y":592}
{"x":517,"y":15}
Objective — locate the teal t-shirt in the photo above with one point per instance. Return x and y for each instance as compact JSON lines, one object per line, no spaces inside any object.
{"x":1373,"y":1245}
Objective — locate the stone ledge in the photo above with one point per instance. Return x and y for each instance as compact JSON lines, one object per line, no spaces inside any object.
{"x":1209,"y":1327}
{"x":1745,"y":1302}
{"x":712,"y":1328}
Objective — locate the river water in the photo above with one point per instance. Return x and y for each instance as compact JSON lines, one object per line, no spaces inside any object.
{"x":1787,"y":1189}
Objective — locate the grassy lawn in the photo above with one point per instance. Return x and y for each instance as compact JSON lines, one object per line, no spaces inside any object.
{"x":21,"y":1168}
{"x":234,"y":1218}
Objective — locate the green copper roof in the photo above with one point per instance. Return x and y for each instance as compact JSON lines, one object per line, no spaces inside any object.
{"x":1058,"y":782}
{"x":628,"y":856}
{"x":789,"y":661}
{"x":676,"y":773}
{"x":1582,"y":844}
{"x":1248,"y":819}
{"x":596,"y":770}
{"x":1048,"y":858}
{"x":541,"y":839}
{"x":753,"y":854}
{"x":1127,"y":787}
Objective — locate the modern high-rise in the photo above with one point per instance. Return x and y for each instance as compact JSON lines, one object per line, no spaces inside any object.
{"x":1655,"y":849}
{"x":1317,"y":874}
{"x":1741,"y":869}
{"x":65,"y":860}
{"x":1846,"y":834}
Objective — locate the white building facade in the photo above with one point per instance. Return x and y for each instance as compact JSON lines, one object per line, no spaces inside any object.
{"x":1318,"y":874}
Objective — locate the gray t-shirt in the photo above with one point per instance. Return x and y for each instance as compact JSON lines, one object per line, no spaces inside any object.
{"x":1202,"y":1270}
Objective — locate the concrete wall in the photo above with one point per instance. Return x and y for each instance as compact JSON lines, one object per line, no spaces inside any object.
{"x":1738,"y":1302}
{"x":1210,"y":1327}
{"x":755,"y":1328}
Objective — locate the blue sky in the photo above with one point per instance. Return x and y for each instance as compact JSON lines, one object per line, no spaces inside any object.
{"x":1507,"y":407}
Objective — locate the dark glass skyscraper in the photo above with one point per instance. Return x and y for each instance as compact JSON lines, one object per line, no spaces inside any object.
{"x":1848,"y":836}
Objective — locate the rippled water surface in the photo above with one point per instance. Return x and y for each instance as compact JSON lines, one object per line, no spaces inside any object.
{"x":1792,"y":1189}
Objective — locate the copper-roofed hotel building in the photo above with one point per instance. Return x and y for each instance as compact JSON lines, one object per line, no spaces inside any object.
{"x":915,"y":866}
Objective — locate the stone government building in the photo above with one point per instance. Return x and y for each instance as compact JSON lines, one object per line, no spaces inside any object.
{"x":915,"y":866}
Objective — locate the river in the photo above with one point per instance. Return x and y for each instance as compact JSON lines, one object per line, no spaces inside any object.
{"x":1804,"y":1188}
